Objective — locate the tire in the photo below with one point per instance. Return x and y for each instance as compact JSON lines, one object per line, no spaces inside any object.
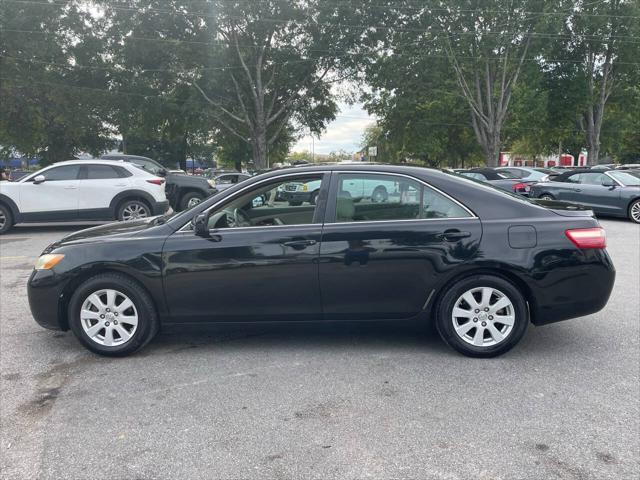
{"x":190,"y":199}
{"x":380,"y":194}
{"x":6,"y":219}
{"x":546,"y":196}
{"x":294,"y":203}
{"x":143,"y":308}
{"x":482,"y":336}
{"x":634,"y":211}
{"x":133,"y":210}
{"x":314,"y":197}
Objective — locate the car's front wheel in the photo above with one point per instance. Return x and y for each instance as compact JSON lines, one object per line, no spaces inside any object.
{"x":112,"y":315}
{"x":482,"y":316}
{"x":634,"y":211}
{"x":546,"y":196}
{"x":6,"y":220}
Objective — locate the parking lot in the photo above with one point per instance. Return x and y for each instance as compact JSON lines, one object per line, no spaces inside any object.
{"x":321,"y":401}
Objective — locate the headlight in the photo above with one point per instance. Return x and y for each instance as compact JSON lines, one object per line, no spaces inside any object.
{"x":212,"y":183}
{"x":46,"y":262}
{"x":305,"y":187}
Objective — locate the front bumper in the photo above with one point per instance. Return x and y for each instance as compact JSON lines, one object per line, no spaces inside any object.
{"x":296,"y":196}
{"x":160,"y":207}
{"x":45,"y":292}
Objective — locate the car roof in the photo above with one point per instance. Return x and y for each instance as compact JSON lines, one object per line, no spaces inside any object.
{"x":97,"y":161}
{"x":564,"y":175}
{"x":125,"y":157}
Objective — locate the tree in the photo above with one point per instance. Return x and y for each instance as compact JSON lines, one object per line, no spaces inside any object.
{"x":273,"y":68}
{"x":50,"y":109}
{"x":487,"y":46}
{"x":598,"y":39}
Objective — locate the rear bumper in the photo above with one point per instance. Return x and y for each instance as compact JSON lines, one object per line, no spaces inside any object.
{"x":44,"y":291}
{"x":562,"y":295}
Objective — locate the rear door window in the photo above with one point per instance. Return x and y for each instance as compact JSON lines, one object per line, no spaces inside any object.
{"x":100,"y":172}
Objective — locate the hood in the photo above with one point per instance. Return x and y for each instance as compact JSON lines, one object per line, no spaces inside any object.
{"x":113,"y":230}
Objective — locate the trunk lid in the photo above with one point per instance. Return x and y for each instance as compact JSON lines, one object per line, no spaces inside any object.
{"x":564,"y":209}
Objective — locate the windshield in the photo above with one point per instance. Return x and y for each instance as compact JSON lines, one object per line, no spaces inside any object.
{"x":627,"y":178}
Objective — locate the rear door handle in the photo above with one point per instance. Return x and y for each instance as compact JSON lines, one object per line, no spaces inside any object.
{"x":70,"y":187}
{"x":578,"y":190}
{"x":299,"y":244}
{"x":120,"y":185}
{"x":454,"y":235}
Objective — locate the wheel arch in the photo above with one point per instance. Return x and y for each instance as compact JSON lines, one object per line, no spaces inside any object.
{"x":130,"y":195}
{"x":505,"y":274}
{"x":71,"y":286}
{"x":11,"y":205}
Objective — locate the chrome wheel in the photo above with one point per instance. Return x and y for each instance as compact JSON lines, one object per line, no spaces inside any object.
{"x":193,"y":202}
{"x":634,"y":212}
{"x":546,"y":197}
{"x":133,"y":211}
{"x":483,"y":316}
{"x":3,"y":219}
{"x":109,"y":317}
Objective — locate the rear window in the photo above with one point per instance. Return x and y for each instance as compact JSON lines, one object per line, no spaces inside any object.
{"x":100,"y":172}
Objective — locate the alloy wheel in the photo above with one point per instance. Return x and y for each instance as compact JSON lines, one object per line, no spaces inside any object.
{"x":109,"y":317}
{"x":193,"y":202}
{"x":635,"y":212}
{"x":483,"y":316}
{"x":546,"y":197}
{"x":3,"y":219}
{"x":133,"y":211}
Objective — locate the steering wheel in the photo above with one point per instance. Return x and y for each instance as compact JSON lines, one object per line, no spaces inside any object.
{"x":237,"y":218}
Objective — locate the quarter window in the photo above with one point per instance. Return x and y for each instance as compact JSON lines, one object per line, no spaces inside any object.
{"x":363,"y":198}
{"x":98,"y":172}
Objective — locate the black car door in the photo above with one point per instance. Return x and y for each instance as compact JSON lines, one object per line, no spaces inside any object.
{"x":383,"y":260}
{"x":259,"y":262}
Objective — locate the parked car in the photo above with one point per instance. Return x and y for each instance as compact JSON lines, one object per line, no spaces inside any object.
{"x":222,"y":181}
{"x":479,"y":262}
{"x":183,"y":191}
{"x":502,"y":180}
{"x":528,"y":174}
{"x":629,"y":166}
{"x":608,"y":192}
{"x":82,"y":190}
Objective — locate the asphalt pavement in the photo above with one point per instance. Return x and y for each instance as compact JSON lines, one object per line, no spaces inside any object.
{"x":321,"y":401}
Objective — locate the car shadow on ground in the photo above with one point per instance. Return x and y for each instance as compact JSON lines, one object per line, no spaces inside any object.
{"x":299,"y":336}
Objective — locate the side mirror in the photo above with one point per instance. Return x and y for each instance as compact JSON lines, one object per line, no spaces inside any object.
{"x":39,"y":179}
{"x":201,"y":225}
{"x":609,"y":183}
{"x":162,"y":173}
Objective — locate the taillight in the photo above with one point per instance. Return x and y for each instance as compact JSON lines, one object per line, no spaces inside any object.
{"x":156,"y":181}
{"x":521,"y":186}
{"x":587,"y":237}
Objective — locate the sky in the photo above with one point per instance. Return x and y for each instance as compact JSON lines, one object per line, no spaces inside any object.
{"x":344,"y":133}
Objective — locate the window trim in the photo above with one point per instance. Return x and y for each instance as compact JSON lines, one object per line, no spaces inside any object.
{"x":330,"y":210}
{"x":31,"y":178}
{"x":325,"y":176}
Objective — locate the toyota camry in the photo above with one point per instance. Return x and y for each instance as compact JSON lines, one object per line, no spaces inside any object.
{"x":479,"y":262}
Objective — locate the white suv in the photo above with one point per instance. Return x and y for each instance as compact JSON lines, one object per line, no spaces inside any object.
{"x":82,"y":190}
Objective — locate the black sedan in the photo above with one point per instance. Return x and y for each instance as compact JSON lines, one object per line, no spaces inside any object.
{"x":501,"y":179}
{"x":479,"y":262}
{"x":608,"y":192}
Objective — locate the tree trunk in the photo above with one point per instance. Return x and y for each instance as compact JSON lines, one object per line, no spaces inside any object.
{"x":260,"y":149}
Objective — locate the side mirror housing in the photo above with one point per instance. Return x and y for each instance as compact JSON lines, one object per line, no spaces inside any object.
{"x":162,"y":173}
{"x":39,"y":179}
{"x":609,"y":183}
{"x":201,"y":225}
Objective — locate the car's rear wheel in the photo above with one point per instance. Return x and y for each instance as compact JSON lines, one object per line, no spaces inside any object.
{"x":634,"y":211}
{"x":133,"y":210}
{"x":190,"y":199}
{"x":482,"y":316}
{"x":6,"y":219}
{"x":546,"y":196}
{"x":112,"y":315}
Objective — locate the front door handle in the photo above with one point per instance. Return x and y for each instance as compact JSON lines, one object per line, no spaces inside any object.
{"x":299,"y":244}
{"x":454,"y":235}
{"x":578,"y":190}
{"x":70,"y":187}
